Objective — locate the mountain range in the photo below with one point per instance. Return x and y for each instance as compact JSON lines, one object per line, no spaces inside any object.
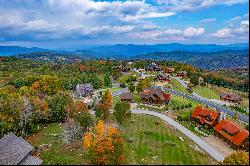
{"x":127,"y":50}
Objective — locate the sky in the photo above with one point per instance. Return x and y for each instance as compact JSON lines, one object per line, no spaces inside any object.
{"x":79,"y":23}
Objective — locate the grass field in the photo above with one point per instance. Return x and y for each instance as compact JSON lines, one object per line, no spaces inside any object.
{"x":148,"y":144}
{"x":206,"y":92}
{"x":151,"y":108}
{"x":159,"y":144}
{"x":177,"y":101}
{"x":177,"y":86}
{"x":58,"y":153}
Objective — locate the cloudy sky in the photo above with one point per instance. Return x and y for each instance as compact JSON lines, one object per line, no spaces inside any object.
{"x":75,"y":23}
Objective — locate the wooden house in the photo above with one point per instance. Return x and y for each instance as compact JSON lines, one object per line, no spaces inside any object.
{"x":232,"y":133}
{"x":169,"y":70}
{"x":205,"y":116}
{"x":154,"y":96}
{"x":128,"y":97}
{"x":162,"y":78}
{"x":230,"y":97}
{"x":16,"y":151}
{"x":181,"y":74}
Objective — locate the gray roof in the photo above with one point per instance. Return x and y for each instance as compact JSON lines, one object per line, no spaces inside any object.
{"x":30,"y":160}
{"x":126,"y":96}
{"x":13,"y":149}
{"x":182,"y":72}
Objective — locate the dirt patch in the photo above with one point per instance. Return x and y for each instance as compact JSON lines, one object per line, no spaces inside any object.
{"x":219,"y":144}
{"x":161,"y":83}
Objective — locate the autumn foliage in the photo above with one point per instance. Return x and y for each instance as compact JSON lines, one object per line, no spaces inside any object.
{"x":104,"y":146}
{"x":237,"y":158}
{"x":103,"y":107}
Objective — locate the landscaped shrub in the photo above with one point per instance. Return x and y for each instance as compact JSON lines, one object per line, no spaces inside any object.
{"x":184,"y":116}
{"x":122,"y":112}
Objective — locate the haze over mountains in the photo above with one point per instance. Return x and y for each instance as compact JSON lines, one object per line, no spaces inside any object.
{"x":128,"y":50}
{"x":206,"y":56}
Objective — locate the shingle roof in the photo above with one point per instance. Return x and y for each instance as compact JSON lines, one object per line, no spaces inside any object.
{"x":230,"y":95}
{"x":126,"y":96}
{"x":13,"y":149}
{"x":30,"y":160}
{"x":238,"y":133}
{"x":201,"y":112}
{"x":151,"y":92}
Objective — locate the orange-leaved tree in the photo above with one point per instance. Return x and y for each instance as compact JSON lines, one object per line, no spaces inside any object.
{"x":103,"y":107}
{"x":104,"y":146}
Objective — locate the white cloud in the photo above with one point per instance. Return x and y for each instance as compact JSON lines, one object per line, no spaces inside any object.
{"x":191,"y":31}
{"x":238,"y":28}
{"x":190,"y":5}
{"x":208,"y":20}
{"x":223,"y":33}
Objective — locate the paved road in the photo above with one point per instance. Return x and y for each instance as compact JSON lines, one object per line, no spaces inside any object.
{"x":119,"y":91}
{"x":207,"y":102}
{"x":206,"y":147}
{"x":200,"y":142}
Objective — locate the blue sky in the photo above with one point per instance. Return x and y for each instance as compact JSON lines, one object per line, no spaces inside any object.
{"x":75,"y":23}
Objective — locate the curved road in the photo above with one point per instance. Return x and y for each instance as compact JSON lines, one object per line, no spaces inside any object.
{"x":205,"y":146}
{"x":200,"y":142}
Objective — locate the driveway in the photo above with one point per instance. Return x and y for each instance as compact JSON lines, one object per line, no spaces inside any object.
{"x":121,"y":91}
{"x":199,"y":141}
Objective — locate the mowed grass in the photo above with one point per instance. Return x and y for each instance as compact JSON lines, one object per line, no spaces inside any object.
{"x":159,"y":144}
{"x":149,"y":143}
{"x":178,"y":101}
{"x":206,"y":92}
{"x":177,"y":86}
{"x":59,"y":153}
{"x":139,"y":106}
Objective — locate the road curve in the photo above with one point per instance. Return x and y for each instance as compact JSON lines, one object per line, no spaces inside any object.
{"x":205,"y":146}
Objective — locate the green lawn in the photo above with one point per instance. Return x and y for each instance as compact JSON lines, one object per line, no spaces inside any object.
{"x":159,"y":144}
{"x":59,"y":153}
{"x":177,"y":86}
{"x":151,"y":108}
{"x":206,"y":92}
{"x":178,"y":101}
{"x":145,"y":143}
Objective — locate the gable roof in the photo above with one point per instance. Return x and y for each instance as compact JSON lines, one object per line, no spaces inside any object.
{"x":126,"y":96}
{"x":30,"y":160}
{"x":201,"y":112}
{"x":232,"y":96}
{"x":153,"y":92}
{"x":84,"y":86}
{"x":238,"y":133}
{"x":13,"y":150}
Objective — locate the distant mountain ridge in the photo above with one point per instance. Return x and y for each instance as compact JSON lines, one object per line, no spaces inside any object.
{"x":206,"y":60}
{"x":14,"y":50}
{"x":130,"y":50}
{"x":127,"y":50}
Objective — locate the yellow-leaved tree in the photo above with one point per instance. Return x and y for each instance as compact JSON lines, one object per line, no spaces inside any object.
{"x":237,"y":158}
{"x":104,"y":146}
